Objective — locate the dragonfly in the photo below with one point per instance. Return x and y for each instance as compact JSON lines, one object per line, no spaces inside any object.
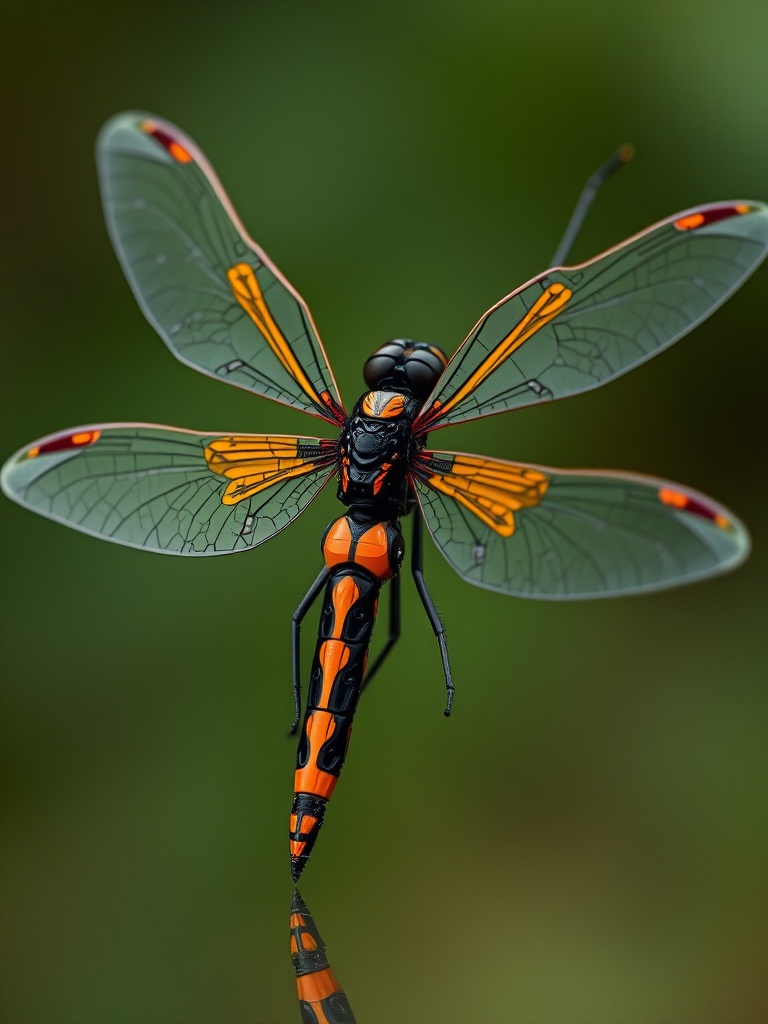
{"x":222,"y":307}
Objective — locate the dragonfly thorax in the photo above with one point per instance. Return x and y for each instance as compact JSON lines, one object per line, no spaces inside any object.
{"x":375,"y":450}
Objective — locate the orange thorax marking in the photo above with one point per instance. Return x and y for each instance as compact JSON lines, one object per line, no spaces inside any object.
{"x":383,"y":405}
{"x":379,"y":481}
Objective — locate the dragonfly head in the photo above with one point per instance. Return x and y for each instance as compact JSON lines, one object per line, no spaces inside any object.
{"x":405,"y":365}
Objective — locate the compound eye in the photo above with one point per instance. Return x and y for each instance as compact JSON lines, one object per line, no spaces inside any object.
{"x":423,"y":368}
{"x":378,"y":367}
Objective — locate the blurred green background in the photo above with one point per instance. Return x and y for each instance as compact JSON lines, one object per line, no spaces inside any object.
{"x":585,"y":840}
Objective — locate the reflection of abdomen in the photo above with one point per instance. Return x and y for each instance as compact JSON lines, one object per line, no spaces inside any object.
{"x":360,"y":557}
{"x":321,"y":998}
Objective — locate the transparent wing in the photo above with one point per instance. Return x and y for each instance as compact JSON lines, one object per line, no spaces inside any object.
{"x":170,"y":490}
{"x":559,"y":534}
{"x":214,"y":297}
{"x":573,"y":329}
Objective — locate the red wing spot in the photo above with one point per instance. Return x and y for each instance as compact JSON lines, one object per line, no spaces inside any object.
{"x":79,"y":439}
{"x":167,"y":141}
{"x":710,"y":216}
{"x":676,"y":499}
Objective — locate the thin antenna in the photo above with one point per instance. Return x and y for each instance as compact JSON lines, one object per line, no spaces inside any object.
{"x":622,"y":156}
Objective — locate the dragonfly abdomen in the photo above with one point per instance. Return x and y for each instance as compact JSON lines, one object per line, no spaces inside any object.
{"x":361,"y":553}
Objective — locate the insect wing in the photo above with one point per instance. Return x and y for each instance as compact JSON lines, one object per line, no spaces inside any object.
{"x":573,"y":329}
{"x":170,"y":490}
{"x":537,"y":532}
{"x":212,"y":294}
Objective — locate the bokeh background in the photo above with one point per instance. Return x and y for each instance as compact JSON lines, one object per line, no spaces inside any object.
{"x":585,"y":840}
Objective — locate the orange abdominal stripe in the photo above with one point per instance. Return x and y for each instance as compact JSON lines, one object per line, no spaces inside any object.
{"x":80,"y":439}
{"x":549,"y":304}
{"x":167,"y":141}
{"x":317,"y":986}
{"x":255,"y":463}
{"x":492,"y":490}
{"x":686,"y":503}
{"x":248,"y":293}
{"x":334,"y":655}
{"x":344,"y":595}
{"x":710,"y":216}
{"x":319,"y":728}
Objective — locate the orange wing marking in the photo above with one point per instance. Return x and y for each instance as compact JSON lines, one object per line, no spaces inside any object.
{"x":248,"y":293}
{"x":254,"y":463}
{"x":179,"y":153}
{"x":63,"y":442}
{"x":694,"y":220}
{"x":710,"y":215}
{"x":492,"y":490}
{"x":686,"y":503}
{"x":549,"y":305}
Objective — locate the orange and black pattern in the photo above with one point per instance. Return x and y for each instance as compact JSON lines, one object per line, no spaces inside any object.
{"x":322,"y":1000}
{"x":492,"y":489}
{"x":222,"y":307}
{"x":360,"y":556}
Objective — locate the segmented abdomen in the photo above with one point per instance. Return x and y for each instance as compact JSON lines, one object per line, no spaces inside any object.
{"x":360,"y":557}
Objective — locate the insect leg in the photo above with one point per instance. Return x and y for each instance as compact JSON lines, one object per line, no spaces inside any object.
{"x":394,"y":629}
{"x":429,"y":607}
{"x":306,"y":603}
{"x":622,"y":155}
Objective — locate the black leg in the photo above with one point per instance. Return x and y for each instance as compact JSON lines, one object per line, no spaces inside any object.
{"x":394,"y":629}
{"x":298,"y":615}
{"x":429,"y":607}
{"x":622,"y":155}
